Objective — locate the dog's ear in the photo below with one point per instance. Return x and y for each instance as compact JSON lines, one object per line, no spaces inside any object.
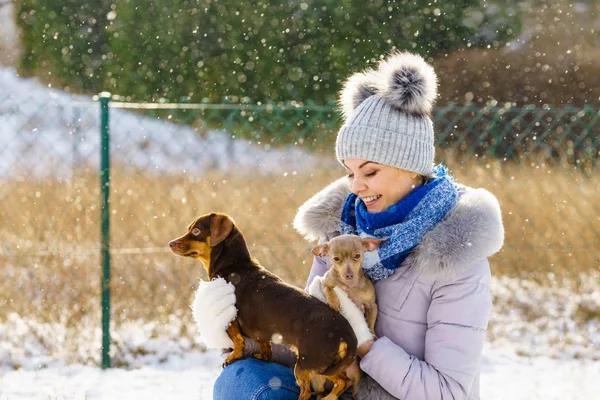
{"x":321,"y":250}
{"x":371,"y":243}
{"x":221,"y":226}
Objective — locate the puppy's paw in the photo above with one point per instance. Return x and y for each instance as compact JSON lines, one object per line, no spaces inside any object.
{"x":227,"y":362}
{"x":262,"y":357}
{"x":231,"y":359}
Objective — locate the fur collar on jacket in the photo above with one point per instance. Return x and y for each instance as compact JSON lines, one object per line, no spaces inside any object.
{"x":472,"y":230}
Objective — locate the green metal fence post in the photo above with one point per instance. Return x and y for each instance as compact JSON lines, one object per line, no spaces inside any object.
{"x":105,"y":218}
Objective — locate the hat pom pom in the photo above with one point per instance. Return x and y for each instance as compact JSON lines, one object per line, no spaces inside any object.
{"x":357,"y":89}
{"x":410,"y":83}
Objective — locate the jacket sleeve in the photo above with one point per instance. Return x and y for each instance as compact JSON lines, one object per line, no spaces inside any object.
{"x":456,"y":323}
{"x":320,"y":264}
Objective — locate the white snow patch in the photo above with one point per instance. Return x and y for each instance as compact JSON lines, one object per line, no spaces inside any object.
{"x":45,"y":132}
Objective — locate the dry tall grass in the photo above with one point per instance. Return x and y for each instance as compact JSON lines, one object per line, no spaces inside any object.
{"x":555,"y":60}
{"x":49,"y":236}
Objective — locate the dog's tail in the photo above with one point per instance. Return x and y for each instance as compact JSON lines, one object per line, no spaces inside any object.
{"x":342,"y":360}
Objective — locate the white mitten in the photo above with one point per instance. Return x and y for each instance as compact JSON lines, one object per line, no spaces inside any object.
{"x":348,"y":309}
{"x":213,"y":309}
{"x":315,"y":289}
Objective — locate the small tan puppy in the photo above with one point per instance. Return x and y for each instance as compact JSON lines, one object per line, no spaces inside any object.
{"x":347,"y":253}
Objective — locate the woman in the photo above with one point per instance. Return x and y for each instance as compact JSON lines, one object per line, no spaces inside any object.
{"x":431,"y":273}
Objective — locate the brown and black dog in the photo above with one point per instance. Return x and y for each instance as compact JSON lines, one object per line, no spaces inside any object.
{"x":267,"y":306}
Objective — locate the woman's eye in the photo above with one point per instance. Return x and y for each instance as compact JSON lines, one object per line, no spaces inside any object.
{"x":371,"y":174}
{"x":195,"y":231}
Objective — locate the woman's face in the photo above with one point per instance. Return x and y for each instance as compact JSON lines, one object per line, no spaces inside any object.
{"x":379,"y":186}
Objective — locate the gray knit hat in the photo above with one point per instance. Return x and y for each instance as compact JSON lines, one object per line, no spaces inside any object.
{"x":387,"y":114}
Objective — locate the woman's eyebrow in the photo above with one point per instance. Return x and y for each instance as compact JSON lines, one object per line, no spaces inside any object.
{"x":361,"y":165}
{"x":365,"y":163}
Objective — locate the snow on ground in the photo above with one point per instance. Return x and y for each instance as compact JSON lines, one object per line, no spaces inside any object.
{"x":555,"y":320}
{"x":504,"y":376}
{"x":190,"y":377}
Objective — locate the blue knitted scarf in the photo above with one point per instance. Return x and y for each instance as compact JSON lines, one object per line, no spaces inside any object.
{"x":402,"y":225}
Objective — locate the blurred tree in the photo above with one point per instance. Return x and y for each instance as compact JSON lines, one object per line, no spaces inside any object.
{"x":259,"y":51}
{"x":494,"y":21}
{"x":64,"y":42}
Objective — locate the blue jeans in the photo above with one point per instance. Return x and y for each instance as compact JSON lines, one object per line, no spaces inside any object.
{"x":252,"y":379}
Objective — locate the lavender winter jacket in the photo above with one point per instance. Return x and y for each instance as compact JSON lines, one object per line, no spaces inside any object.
{"x":434,"y":310}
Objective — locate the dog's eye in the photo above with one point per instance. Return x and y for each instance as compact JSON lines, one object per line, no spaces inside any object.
{"x":195,"y":231}
{"x":357,"y":256}
{"x":336,"y":259}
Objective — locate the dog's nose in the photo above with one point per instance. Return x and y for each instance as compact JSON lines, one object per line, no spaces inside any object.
{"x":172,"y":243}
{"x":349,"y":274}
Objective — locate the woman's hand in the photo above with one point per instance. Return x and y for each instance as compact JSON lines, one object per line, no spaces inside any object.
{"x":364,"y":348}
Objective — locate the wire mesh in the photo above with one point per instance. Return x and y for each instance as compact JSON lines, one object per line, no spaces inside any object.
{"x":170,"y":163}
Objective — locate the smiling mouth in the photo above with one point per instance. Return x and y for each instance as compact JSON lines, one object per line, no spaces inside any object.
{"x":370,"y":199}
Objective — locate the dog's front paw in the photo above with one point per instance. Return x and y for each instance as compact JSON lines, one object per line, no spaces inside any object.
{"x":233,"y":357}
{"x":262,"y":357}
{"x":227,"y":362}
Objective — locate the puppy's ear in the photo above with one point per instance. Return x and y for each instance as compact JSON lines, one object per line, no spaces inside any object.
{"x":371,"y":243}
{"x":221,"y":226}
{"x":321,"y":250}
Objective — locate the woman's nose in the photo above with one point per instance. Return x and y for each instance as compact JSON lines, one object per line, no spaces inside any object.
{"x":356,"y":185}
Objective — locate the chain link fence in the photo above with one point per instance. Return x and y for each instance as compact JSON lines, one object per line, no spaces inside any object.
{"x":172,"y":162}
